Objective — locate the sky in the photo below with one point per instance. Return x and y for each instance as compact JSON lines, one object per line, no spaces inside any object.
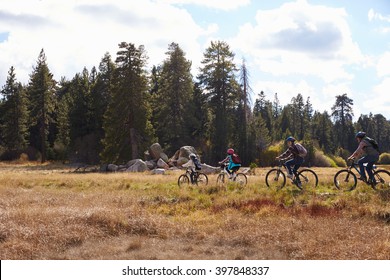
{"x":320,"y":49}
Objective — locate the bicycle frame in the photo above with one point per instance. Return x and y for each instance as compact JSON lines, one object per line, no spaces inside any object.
{"x":355,"y":166}
{"x":237,"y":177}
{"x":282,"y":163}
{"x":305,"y":177}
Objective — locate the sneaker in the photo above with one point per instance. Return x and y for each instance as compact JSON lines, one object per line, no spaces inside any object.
{"x":290,"y":176}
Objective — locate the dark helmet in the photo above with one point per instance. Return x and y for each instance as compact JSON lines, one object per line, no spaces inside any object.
{"x":230,"y":151}
{"x":290,"y":138}
{"x":360,"y":134}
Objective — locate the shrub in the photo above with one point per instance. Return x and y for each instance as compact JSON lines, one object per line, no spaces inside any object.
{"x":267,"y":157}
{"x":339,"y":161}
{"x":384,"y":158}
{"x":322,"y":160}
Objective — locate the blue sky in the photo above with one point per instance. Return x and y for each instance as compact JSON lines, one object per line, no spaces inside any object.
{"x":320,"y":49}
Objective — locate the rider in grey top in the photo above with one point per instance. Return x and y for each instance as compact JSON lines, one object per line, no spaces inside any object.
{"x":370,"y":155}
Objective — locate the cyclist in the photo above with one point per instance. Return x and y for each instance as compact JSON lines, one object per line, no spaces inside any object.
{"x":370,"y":156}
{"x":233,"y":164}
{"x":295,"y":156}
{"x":194,"y":165}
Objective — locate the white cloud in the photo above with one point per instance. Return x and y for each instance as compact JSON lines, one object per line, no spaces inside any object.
{"x":216,"y":4}
{"x":75,"y":34}
{"x":300,"y":38}
{"x":383,"y":66}
{"x":378,"y":100}
{"x":372,"y":15}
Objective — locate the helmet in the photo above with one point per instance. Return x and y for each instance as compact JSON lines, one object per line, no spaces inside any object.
{"x":290,"y":138}
{"x":192,"y":155}
{"x":230,"y":151}
{"x":360,"y":134}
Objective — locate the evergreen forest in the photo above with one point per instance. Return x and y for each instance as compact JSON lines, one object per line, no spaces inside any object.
{"x":113,"y":112}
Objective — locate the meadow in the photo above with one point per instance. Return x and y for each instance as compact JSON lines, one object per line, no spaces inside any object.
{"x":49,"y":212}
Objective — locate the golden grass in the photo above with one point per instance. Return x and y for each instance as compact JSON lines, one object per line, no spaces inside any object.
{"x":47,"y":212}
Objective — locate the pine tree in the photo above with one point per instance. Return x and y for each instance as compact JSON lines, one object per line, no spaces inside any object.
{"x":174,"y":97}
{"x":127,"y":119}
{"x":217,"y":78}
{"x":243,"y":114}
{"x":342,"y":114}
{"x":14,"y":114}
{"x":62,"y":142}
{"x":322,"y":131}
{"x":41,"y":93}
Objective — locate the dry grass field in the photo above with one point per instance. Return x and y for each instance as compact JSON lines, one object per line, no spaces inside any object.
{"x":49,"y":212}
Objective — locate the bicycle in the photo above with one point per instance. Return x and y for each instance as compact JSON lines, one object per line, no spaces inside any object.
{"x":345,"y":179}
{"x":199,"y":178}
{"x":276,"y":178}
{"x":239,"y":178}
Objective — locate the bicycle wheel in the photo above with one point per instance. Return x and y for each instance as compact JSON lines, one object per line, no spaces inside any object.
{"x":241,"y":179}
{"x":275,"y":179}
{"x":382,"y":180}
{"x":183,"y":180}
{"x":202,"y":179}
{"x":345,"y":180}
{"x":308,"y":178}
{"x":221,"y":179}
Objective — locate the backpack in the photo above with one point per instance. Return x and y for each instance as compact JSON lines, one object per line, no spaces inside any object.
{"x":302,"y":152}
{"x":373,"y":143}
{"x":197,"y":164}
{"x":236,"y":159}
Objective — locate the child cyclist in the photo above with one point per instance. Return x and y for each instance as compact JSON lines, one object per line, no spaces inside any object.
{"x":234,"y":163}
{"x":194,"y":165}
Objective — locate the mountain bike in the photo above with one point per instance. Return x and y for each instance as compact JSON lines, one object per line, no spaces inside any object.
{"x":276,"y":178}
{"x":199,"y":178}
{"x":346,"y":179}
{"x":224,"y":176}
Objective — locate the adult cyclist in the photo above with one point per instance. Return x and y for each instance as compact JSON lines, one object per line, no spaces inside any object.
{"x":369,"y":155}
{"x":293,"y":156}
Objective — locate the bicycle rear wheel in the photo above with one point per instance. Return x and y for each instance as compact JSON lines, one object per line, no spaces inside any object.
{"x":275,"y":179}
{"x":202,"y":179}
{"x":382,"y":180}
{"x":345,"y":180}
{"x":241,"y":179}
{"x":183,"y":180}
{"x":308,"y":178}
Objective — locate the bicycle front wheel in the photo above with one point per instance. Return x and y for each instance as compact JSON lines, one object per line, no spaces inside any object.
{"x":221,"y":179}
{"x":241,"y":179}
{"x":202,"y":179}
{"x":183,"y":180}
{"x":275,"y":179}
{"x":382,"y":180}
{"x":308,"y":178}
{"x":345,"y":180}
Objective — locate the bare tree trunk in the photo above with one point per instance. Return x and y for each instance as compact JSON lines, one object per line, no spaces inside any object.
{"x":133,"y":143}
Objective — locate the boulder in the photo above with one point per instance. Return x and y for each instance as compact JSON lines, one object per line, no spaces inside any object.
{"x":138,"y":166}
{"x":162,"y":164}
{"x":185,"y":151}
{"x":164,"y":157}
{"x":112,"y":167}
{"x":208,"y":169}
{"x":151,"y":164}
{"x":181,"y":161}
{"x":155,"y":151}
{"x":158,"y":171}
